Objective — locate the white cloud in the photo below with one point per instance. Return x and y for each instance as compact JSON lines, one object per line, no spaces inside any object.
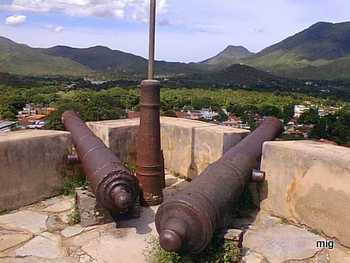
{"x":134,"y":9}
{"x":52,"y":28}
{"x":15,"y":20}
{"x":58,"y":29}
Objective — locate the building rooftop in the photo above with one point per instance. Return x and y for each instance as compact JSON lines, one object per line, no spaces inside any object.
{"x":5,"y":124}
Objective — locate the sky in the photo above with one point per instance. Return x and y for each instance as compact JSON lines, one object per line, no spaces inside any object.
{"x":187,"y":31}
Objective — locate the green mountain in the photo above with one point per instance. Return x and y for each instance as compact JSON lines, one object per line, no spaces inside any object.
{"x":234,"y":75}
{"x":309,"y":53}
{"x":99,"y":58}
{"x":61,"y":60}
{"x":24,"y":60}
{"x":335,"y":70}
{"x":230,"y":55}
{"x":103,"y":59}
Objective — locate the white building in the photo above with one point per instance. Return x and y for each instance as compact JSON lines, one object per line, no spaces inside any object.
{"x":208,"y":114}
{"x":299,"y":110}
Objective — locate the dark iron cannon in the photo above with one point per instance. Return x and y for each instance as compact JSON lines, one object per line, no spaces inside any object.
{"x":187,"y":221}
{"x":115,"y":188}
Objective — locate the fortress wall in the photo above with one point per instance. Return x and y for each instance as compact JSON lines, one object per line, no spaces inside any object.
{"x":188,"y":146}
{"x":308,"y":183}
{"x":32,"y":166}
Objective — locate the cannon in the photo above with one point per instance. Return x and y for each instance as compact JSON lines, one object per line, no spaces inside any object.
{"x":115,"y":188}
{"x":149,"y":166}
{"x":187,"y":221}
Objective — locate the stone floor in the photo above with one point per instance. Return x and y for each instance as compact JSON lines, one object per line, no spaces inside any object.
{"x":271,"y":240}
{"x":40,"y":233}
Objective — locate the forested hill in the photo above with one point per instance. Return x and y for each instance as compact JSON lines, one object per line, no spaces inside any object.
{"x":310,"y":54}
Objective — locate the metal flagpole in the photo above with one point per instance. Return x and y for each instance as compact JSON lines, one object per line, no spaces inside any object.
{"x":152,"y":33}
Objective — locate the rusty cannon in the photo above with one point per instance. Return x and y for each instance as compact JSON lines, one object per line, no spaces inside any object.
{"x":186,"y":222}
{"x":115,"y":188}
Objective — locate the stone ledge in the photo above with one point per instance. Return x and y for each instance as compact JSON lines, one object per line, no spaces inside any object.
{"x":188,"y":146}
{"x":32,"y":166}
{"x":308,"y":183}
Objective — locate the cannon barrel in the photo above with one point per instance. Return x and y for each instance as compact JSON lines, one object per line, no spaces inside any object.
{"x":187,"y":221}
{"x":115,"y":188}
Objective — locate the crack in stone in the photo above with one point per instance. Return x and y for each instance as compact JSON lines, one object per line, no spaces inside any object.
{"x":309,"y":258}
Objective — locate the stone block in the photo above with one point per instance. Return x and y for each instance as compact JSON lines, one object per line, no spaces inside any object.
{"x":281,"y":243}
{"x":119,"y":135}
{"x":308,"y":183}
{"x":32,"y":166}
{"x":91,"y":213}
{"x":188,"y":146}
{"x":235,"y":235}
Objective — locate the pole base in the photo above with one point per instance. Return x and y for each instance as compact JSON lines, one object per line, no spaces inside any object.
{"x":151,"y":200}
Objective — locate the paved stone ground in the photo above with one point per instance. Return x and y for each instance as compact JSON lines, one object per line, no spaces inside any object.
{"x":271,"y":240}
{"x":41,"y":234}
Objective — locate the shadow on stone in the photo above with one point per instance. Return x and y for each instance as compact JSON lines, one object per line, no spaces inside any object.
{"x":141,"y":224}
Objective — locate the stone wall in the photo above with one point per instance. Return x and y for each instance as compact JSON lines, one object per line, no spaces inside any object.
{"x":32,"y":164}
{"x":188,"y":146}
{"x":308,"y":183}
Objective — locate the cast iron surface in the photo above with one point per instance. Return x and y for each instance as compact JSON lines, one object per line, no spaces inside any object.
{"x":188,"y":220}
{"x":114,"y":186}
{"x":149,"y":167}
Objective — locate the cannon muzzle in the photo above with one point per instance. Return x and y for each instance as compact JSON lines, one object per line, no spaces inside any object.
{"x":188,"y":220}
{"x":115,"y":188}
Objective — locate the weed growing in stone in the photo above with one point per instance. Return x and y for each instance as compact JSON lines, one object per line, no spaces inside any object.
{"x":74,"y":217}
{"x":3,"y":212}
{"x":131,"y":167}
{"x":284,"y":221}
{"x":219,"y":251}
{"x":70,"y":183}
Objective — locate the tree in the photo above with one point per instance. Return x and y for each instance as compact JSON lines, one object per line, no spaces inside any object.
{"x":270,"y":110}
{"x":6,"y":114}
{"x":222,"y":116}
{"x":333,"y":127}
{"x":236,"y":109}
{"x":287,"y":112}
{"x":310,"y":117}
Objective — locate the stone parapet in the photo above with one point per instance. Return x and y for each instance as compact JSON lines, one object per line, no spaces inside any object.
{"x":308,"y":184}
{"x":32,"y":165}
{"x":188,"y":146}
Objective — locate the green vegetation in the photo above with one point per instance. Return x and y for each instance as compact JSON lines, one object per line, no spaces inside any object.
{"x":230,"y":55}
{"x":309,"y":117}
{"x":4,"y":212}
{"x":333,"y":127}
{"x":319,"y":52}
{"x":219,"y":251}
{"x":95,"y":105}
{"x":21,"y":59}
{"x":73,"y":182}
{"x":74,"y":217}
